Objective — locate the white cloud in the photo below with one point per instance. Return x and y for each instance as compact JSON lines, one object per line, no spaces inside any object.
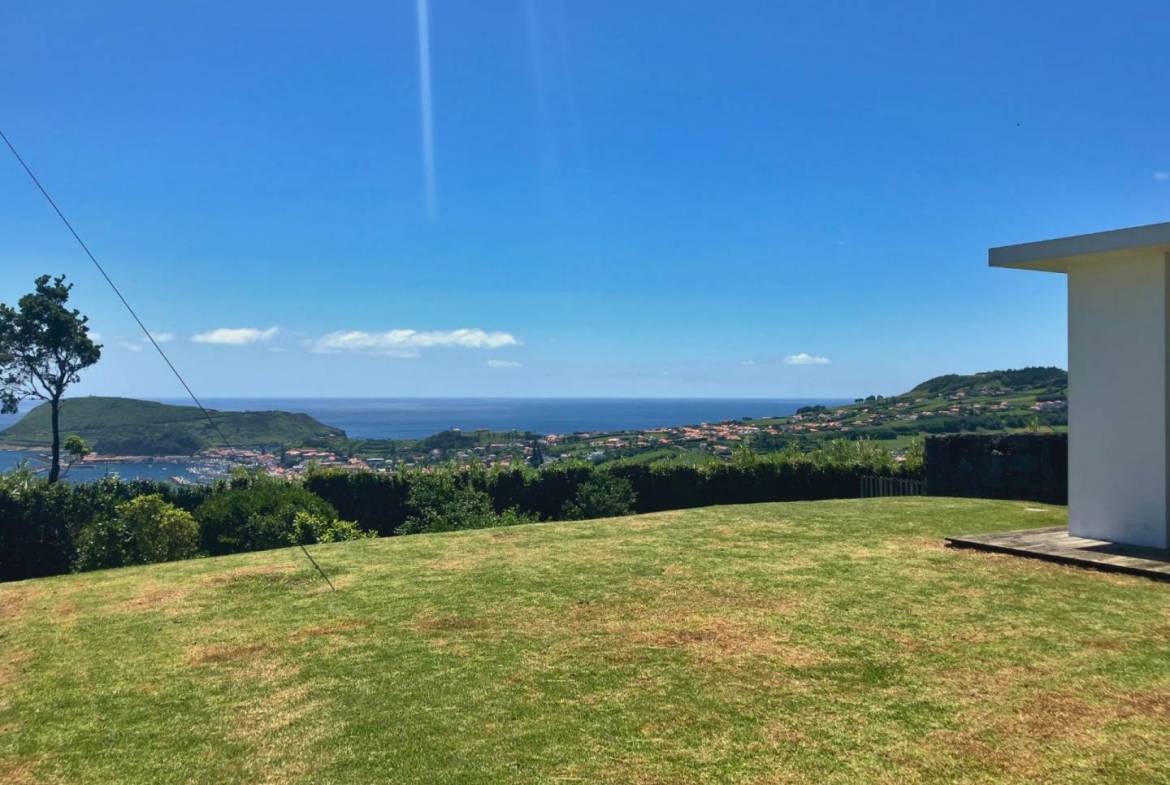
{"x":747,"y":363}
{"x":407,"y":343}
{"x":139,"y":345}
{"x":804,"y":358}
{"x":236,"y":336}
{"x":94,"y":336}
{"x":504,"y":364}
{"x":1161,"y":176}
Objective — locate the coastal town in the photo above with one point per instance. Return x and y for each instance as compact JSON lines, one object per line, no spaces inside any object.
{"x":894,"y":421}
{"x":1033,"y":399}
{"x":897,"y":422}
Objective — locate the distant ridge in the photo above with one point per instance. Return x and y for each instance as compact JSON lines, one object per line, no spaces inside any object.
{"x":1022,"y":378}
{"x":126,"y":426}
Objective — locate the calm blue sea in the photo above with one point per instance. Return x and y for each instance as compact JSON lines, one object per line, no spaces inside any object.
{"x":409,"y":418}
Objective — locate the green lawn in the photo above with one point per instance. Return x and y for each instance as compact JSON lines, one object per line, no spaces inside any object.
{"x":826,"y":642}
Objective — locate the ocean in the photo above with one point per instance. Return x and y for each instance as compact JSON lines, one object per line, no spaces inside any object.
{"x":412,"y":418}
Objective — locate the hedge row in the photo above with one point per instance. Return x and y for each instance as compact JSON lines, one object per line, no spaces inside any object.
{"x":40,"y":523}
{"x":1029,"y":466}
{"x":381,"y":502}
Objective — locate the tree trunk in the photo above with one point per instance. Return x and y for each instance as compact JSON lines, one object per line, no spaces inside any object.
{"x":55,"y":467}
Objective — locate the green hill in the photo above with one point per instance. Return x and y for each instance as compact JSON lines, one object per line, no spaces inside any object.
{"x":996,"y":382}
{"x":990,"y":401}
{"x":125,"y":426}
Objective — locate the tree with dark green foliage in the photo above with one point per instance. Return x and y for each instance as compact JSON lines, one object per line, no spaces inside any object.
{"x":76,"y":448}
{"x":44,"y":346}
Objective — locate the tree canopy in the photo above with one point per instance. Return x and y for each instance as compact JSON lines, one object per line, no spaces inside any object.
{"x":44,"y":346}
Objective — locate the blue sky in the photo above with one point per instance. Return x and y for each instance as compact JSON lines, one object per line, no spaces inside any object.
{"x":630,"y":199}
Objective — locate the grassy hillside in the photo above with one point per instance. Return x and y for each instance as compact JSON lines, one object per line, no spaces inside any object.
{"x":133,"y":427}
{"x":993,"y":401}
{"x":826,"y":642}
{"x":1051,"y":379}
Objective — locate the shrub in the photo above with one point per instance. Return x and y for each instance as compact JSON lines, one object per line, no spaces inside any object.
{"x":256,"y":513}
{"x":161,"y":530}
{"x":309,"y":528}
{"x":145,"y":530}
{"x":445,"y":501}
{"x":601,"y":496}
{"x":915,"y":463}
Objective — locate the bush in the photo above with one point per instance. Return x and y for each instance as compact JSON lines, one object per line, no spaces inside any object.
{"x":446,"y":501}
{"x":256,"y":513}
{"x":145,"y":530}
{"x":309,"y":528}
{"x":602,"y":496}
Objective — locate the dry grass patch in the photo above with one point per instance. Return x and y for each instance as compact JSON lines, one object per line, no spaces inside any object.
{"x":1151,"y":704}
{"x":715,"y":640}
{"x":244,"y":574}
{"x":221,"y":653}
{"x":1013,"y":720}
{"x":327,"y":630}
{"x":1107,"y":644}
{"x":1020,"y":742}
{"x":12,"y":662}
{"x":17,"y":773}
{"x":16,"y":599}
{"x":166,"y":598}
{"x":651,"y":521}
{"x":428,"y":623}
{"x":992,"y":562}
{"x":697,"y":620}
{"x":278,"y":722}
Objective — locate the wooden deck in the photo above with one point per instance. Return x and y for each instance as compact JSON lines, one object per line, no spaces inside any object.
{"x":1055,"y":544}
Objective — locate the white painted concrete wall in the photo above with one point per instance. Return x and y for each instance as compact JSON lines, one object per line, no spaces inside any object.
{"x":1118,"y":423}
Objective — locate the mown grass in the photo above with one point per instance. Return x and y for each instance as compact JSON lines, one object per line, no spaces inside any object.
{"x":823,"y":642}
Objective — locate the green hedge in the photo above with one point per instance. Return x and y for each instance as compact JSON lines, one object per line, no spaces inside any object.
{"x":382,"y":502}
{"x":40,"y":523}
{"x":379,"y":502}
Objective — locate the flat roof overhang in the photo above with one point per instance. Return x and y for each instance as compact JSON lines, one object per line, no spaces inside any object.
{"x":1058,"y":255}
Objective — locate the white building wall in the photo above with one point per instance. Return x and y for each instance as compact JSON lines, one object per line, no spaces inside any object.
{"x":1118,"y":400}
